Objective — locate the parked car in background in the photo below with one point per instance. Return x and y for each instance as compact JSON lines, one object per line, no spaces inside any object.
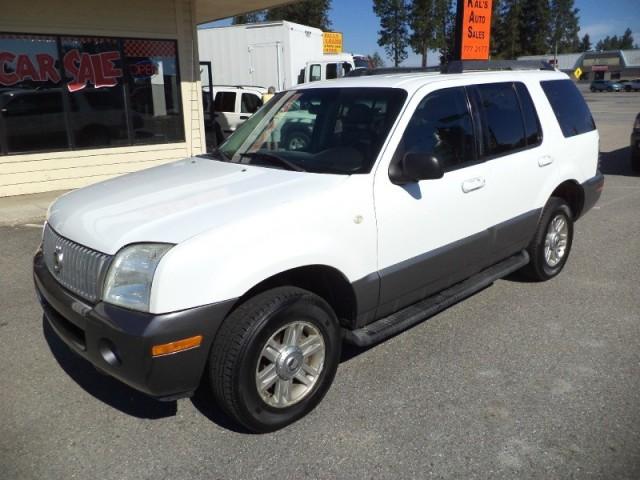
{"x":606,"y":86}
{"x":635,"y":145}
{"x":634,"y":84}
{"x":231,"y":107}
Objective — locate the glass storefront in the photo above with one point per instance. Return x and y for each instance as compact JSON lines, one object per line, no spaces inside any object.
{"x":73,"y":92}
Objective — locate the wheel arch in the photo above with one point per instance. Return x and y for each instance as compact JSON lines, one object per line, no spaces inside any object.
{"x":572,"y":193}
{"x":327,"y":282}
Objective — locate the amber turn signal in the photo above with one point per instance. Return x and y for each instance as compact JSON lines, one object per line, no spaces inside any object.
{"x":177,"y":346}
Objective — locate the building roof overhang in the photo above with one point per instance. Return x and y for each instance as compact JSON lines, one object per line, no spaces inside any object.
{"x":209,"y":10}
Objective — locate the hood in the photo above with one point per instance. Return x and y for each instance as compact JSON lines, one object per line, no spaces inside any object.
{"x":177,"y":201}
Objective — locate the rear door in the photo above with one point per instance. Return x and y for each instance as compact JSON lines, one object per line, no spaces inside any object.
{"x":511,"y":144}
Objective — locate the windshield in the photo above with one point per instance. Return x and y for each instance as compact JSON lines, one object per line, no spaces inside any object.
{"x":320,"y":130}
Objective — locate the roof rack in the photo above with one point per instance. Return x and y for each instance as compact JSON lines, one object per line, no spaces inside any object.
{"x":460,"y":66}
{"x":366,"y":72}
{"x":240,"y":87}
{"x":457,"y":66}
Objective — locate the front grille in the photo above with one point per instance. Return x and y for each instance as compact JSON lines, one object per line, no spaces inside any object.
{"x":75,"y":267}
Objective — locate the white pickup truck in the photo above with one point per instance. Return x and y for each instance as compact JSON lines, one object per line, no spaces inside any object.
{"x":250,"y":266}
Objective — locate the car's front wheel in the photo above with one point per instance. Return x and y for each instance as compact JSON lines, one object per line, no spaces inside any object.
{"x":275,"y":357}
{"x":551,"y":244}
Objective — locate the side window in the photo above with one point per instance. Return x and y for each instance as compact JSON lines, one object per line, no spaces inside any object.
{"x":332,"y":71}
{"x":250,"y":103}
{"x":225,"y":102}
{"x":442,"y":126}
{"x":532,"y":127}
{"x":503,"y":127}
{"x":316,"y":73}
{"x":569,"y":106}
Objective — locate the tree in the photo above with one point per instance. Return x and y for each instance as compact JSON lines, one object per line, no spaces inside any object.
{"x":428,"y":22}
{"x":508,"y":32}
{"x":534,"y":27}
{"x":564,"y":26}
{"x":376,"y":61}
{"x":314,"y":13}
{"x":585,"y":43}
{"x":253,"y":17}
{"x":615,"y":43}
{"x":393,"y":34}
{"x":626,"y":41}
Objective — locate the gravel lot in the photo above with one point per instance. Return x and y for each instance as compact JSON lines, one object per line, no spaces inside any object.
{"x":520,"y":381}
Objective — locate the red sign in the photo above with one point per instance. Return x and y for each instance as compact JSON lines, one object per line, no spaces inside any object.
{"x":23,"y":68}
{"x":475,"y":29}
{"x":599,"y":68}
{"x":97,"y":69}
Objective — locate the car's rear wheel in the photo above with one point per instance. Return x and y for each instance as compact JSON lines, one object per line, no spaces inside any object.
{"x":297,"y":141}
{"x":275,"y":357}
{"x":551,"y":244}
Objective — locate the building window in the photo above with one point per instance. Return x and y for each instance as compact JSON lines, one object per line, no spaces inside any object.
{"x":68,"y":92}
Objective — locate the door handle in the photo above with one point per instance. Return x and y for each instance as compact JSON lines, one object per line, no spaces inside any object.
{"x":244,"y":117}
{"x":473,"y":184}
{"x":544,"y":161}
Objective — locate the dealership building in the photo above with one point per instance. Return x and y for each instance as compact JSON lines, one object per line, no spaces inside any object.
{"x":604,"y":65}
{"x":93,"y":89}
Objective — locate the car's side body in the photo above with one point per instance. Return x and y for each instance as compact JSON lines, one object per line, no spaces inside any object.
{"x":369,"y":246}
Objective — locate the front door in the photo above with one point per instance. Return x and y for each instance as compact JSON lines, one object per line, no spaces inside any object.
{"x":433,"y":233}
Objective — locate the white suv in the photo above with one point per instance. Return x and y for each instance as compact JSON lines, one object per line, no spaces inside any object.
{"x":250,"y":266}
{"x":231,"y":107}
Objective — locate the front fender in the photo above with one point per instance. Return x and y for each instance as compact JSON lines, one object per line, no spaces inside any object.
{"x":225,"y":263}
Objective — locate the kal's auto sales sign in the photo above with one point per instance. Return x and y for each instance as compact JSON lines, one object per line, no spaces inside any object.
{"x":98,"y":69}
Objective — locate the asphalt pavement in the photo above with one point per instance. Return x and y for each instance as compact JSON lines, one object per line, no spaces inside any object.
{"x":522,"y":380}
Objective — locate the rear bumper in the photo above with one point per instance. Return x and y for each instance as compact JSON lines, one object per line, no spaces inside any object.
{"x":119,"y":341}
{"x":635,"y":144}
{"x":592,"y":189}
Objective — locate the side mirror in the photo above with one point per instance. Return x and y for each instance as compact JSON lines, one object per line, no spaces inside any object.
{"x":414,"y":167}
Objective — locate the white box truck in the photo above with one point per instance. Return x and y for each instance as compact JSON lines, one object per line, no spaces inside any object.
{"x":279,"y":54}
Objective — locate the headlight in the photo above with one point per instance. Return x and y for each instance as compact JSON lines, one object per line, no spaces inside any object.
{"x":128,"y":281}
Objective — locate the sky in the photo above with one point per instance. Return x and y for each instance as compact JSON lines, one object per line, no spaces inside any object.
{"x":356,"y":20}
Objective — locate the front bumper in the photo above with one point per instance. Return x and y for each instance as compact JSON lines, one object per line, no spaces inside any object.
{"x":592,"y":189}
{"x":118,"y":341}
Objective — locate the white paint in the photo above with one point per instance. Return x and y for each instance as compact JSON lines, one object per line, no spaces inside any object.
{"x":236,"y":225}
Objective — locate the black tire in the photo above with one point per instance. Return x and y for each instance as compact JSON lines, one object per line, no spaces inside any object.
{"x":538,"y":268}
{"x":237,"y":349}
{"x":635,"y":163}
{"x":297,"y":141}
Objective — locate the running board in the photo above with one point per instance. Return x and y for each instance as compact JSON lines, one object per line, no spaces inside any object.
{"x":416,"y":313}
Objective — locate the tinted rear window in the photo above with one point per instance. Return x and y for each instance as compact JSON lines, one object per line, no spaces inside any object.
{"x":225,"y":102}
{"x":569,"y":107}
{"x":504,"y":125}
{"x":531,"y":122}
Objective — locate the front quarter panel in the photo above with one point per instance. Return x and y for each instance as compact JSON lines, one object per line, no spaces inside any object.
{"x":334,"y":228}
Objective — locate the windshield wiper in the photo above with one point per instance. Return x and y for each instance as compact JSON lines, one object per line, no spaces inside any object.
{"x":278,"y":159}
{"x":217,"y":154}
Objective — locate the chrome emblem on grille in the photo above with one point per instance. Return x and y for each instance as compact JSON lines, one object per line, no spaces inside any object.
{"x":58,"y":256}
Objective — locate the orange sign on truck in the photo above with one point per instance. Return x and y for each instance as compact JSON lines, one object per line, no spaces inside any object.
{"x":475,"y":31}
{"x":332,"y":42}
